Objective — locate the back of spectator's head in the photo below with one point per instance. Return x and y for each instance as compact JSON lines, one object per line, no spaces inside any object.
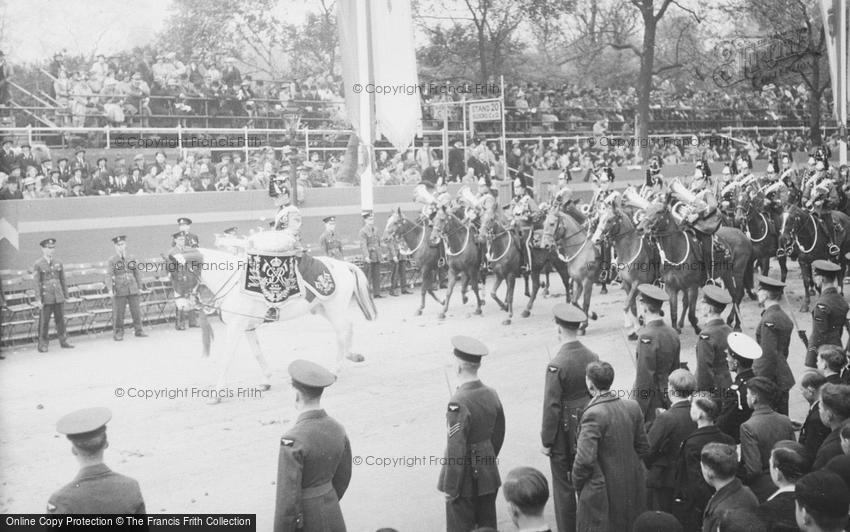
{"x":763,"y":388}
{"x":721,"y":459}
{"x":705,"y":406}
{"x":833,"y":357}
{"x":823,"y":501}
{"x":682,"y":382}
{"x":655,"y":521}
{"x":835,"y":402}
{"x":526,"y":490}
{"x":601,"y":375}
{"x":791,"y":459}
{"x":840,"y":465}
{"x":812,"y":380}
{"x":740,"y":520}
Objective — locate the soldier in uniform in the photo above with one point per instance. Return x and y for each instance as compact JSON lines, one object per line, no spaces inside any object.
{"x":605,"y":179}
{"x":712,"y":372}
{"x":821,"y":196}
{"x":184,"y":279}
{"x":370,"y":248}
{"x":288,"y":217}
{"x":314,"y":465}
{"x":704,"y":219}
{"x":50,"y":295}
{"x":654,"y":187}
{"x":525,"y":213}
{"x":657,"y":352}
{"x":96,"y":489}
{"x":476,"y":430}
{"x":774,"y":335}
{"x":124,"y":282}
{"x":830,"y":313}
{"x":564,"y":398}
{"x":398,"y":280}
{"x":329,"y":243}
{"x":743,"y":350}
{"x":185,"y":226}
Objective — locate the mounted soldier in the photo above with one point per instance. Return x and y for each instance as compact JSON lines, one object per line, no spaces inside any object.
{"x":821,"y":196}
{"x":654,"y":187}
{"x":525,"y":214}
{"x":698,"y":210}
{"x":477,"y":204}
{"x":604,"y":179}
{"x":288,"y":217}
{"x":790,"y":177}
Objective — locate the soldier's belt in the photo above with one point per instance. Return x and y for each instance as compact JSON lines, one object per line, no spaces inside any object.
{"x":316,"y":491}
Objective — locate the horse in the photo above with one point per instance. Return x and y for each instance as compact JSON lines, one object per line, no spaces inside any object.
{"x":225,"y":273}
{"x":425,"y":250}
{"x":810,"y":236}
{"x":463,"y":255}
{"x":760,"y":228}
{"x":572,"y":244}
{"x":504,"y":255}
{"x":637,"y":260}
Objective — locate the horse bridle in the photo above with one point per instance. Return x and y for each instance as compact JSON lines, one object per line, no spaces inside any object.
{"x":421,"y":239}
{"x":445,"y":236}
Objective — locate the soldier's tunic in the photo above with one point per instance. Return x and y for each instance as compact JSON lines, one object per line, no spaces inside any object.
{"x":657,"y":356}
{"x":314,"y":469}
{"x":370,"y":248}
{"x":51,"y":291}
{"x":185,"y":277}
{"x":98,"y":490}
{"x":399,"y":262}
{"x":774,"y":336}
{"x":828,"y":318}
{"x":470,"y":478}
{"x":191,"y":239}
{"x":331,"y":245}
{"x":564,"y":398}
{"x":712,"y":372}
{"x":288,"y":220}
{"x":124,"y":283}
{"x":736,"y":411}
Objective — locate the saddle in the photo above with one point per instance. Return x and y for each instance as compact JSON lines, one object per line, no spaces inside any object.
{"x":277,"y":276}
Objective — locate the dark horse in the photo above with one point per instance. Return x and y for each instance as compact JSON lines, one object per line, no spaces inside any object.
{"x":417,"y":237}
{"x":812,"y":241}
{"x":504,"y":254}
{"x":682,"y":266}
{"x":572,"y":244}
{"x":637,"y":259}
{"x":760,"y":227}
{"x":462,"y":255}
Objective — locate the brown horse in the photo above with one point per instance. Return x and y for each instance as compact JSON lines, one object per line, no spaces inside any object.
{"x":462,"y":254}
{"x":809,"y":234}
{"x":504,"y":255}
{"x":760,"y":227}
{"x":637,"y":259}
{"x":418,"y":238}
{"x":573,"y":245}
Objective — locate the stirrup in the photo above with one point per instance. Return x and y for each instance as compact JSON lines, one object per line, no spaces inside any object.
{"x":603,"y":275}
{"x":834,"y":250}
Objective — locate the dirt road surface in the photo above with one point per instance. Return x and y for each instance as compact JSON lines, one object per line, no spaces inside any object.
{"x":189,"y":456}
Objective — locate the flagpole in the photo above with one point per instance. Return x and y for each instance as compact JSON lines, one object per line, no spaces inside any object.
{"x":367,"y":112}
{"x":506,"y":177}
{"x":844,"y":94}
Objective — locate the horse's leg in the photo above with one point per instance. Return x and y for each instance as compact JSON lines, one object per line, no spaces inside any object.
{"x":493,"y":292}
{"x":472,"y":280}
{"x":685,"y":308}
{"x":547,"y":284}
{"x":631,"y":310}
{"x":452,"y":275}
{"x":344,"y":329}
{"x":783,"y":267}
{"x":750,"y":272}
{"x":588,"y":292}
{"x":424,"y":289}
{"x":806,"y":270}
{"x":535,"y":286}
{"x":235,"y":331}
{"x":509,"y":298}
{"x":693,"y":293}
{"x":254,"y":344}
{"x":525,"y":280}
{"x":673,"y":293}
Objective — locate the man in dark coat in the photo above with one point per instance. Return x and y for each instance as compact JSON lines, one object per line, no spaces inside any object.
{"x":830,"y":313}
{"x":789,"y":461}
{"x":564,"y":398}
{"x":834,"y":412}
{"x":476,"y":430}
{"x":185,"y":226}
{"x":666,"y":435}
{"x":456,"y":162}
{"x":607,"y":472}
{"x":96,"y":489}
{"x":719,"y":463}
{"x":774,"y":335}
{"x":314,"y":466}
{"x":370,"y":248}
{"x":184,"y":265}
{"x":692,"y":491}
{"x":329,"y":243}
{"x":813,"y":431}
{"x":50,"y":295}
{"x":712,"y":373}
{"x":657,"y":352}
{"x":758,"y":436}
{"x":822,"y":501}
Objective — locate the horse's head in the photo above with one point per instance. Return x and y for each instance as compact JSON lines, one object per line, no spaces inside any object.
{"x":792,"y":220}
{"x":608,"y":225}
{"x":488,"y":222}
{"x":743,"y":205}
{"x":656,"y":218}
{"x":551,"y":226}
{"x":395,"y":223}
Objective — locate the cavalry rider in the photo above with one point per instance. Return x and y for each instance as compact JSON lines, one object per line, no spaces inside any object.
{"x":288,"y":217}
{"x":704,"y":218}
{"x":604,"y":178}
{"x":702,"y":179}
{"x":654,"y":188}
{"x":821,"y":195}
{"x":566,"y":203}
{"x":742,"y":169}
{"x":432,"y":197}
{"x":525,"y":214}
{"x":485,"y":201}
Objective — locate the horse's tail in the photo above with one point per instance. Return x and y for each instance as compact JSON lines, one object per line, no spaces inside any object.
{"x":207,"y":335}
{"x":361,"y":293}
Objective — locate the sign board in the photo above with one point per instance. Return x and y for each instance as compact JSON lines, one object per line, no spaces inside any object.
{"x":485,"y":111}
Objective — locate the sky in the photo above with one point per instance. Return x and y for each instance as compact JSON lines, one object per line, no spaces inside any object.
{"x":33,"y":30}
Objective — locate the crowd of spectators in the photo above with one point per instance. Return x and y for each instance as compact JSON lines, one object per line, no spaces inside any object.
{"x":117,"y":89}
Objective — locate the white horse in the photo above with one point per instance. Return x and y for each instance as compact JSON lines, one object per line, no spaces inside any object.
{"x":224,"y":272}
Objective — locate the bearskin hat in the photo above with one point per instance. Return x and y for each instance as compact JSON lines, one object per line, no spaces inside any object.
{"x":702,"y":166}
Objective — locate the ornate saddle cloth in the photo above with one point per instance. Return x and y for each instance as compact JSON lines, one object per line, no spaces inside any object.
{"x":316,"y":276}
{"x":272,"y":276}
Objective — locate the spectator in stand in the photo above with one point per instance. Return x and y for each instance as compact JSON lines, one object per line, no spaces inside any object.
{"x":151,"y":181}
{"x":223,"y":184}
{"x":136,"y":183}
{"x":138,"y":99}
{"x":54,"y":188}
{"x":230,"y":76}
{"x":204,"y":183}
{"x":10,"y":190}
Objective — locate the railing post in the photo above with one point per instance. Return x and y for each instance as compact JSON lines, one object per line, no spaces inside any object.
{"x":180,"y":138}
{"x":108,"y":136}
{"x":307,"y":143}
{"x":246,"y":143}
{"x":29,"y":134}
